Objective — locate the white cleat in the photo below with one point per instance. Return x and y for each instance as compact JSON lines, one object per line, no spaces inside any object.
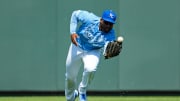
{"x":75,"y":95}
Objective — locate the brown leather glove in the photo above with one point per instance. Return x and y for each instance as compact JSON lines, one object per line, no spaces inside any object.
{"x":113,"y":49}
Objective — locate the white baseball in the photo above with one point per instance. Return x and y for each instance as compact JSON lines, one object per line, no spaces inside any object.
{"x":120,"y":39}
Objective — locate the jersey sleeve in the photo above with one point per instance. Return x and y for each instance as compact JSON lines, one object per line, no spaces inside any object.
{"x":80,"y":16}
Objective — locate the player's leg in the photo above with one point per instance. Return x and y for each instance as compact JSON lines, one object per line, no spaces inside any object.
{"x":91,"y":61}
{"x":73,"y":63}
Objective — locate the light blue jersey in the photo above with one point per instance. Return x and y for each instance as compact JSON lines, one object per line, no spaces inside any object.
{"x":90,"y":37}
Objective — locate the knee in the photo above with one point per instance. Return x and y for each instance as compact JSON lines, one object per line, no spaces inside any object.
{"x":89,"y":75}
{"x":90,"y":69}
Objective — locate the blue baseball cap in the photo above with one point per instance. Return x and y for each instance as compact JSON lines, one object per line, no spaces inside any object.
{"x":109,"y":15}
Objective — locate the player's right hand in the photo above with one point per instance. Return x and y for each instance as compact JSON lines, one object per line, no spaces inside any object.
{"x":74,"y":36}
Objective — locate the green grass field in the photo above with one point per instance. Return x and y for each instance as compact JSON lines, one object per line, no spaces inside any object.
{"x":94,"y":98}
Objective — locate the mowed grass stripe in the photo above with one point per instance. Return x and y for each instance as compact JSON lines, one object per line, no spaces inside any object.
{"x":94,"y":98}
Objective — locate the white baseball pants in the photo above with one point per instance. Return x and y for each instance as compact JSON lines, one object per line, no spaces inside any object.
{"x":76,"y":57}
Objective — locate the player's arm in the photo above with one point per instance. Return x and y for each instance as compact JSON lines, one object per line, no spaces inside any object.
{"x":113,"y":48}
{"x":73,"y":26}
{"x":76,"y":17}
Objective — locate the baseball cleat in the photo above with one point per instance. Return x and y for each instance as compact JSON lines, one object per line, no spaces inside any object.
{"x":82,"y":97}
{"x":75,"y":95}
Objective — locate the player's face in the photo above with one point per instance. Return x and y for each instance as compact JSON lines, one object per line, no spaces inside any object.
{"x":105,"y":26}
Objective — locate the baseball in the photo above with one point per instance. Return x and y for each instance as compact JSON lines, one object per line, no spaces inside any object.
{"x":120,"y":39}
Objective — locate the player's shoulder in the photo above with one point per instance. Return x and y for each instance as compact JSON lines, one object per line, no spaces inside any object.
{"x":81,"y":12}
{"x":110,"y":35}
{"x":84,"y":12}
{"x":112,"y":31}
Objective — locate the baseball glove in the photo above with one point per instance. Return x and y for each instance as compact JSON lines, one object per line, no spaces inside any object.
{"x":113,"y":49}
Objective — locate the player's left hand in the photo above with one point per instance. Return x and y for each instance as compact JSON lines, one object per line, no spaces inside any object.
{"x":113,"y":49}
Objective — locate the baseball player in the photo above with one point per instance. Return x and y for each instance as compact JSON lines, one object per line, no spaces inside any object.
{"x":88,"y":43}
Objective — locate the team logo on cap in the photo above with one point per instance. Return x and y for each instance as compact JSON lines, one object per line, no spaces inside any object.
{"x":111,"y":15}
